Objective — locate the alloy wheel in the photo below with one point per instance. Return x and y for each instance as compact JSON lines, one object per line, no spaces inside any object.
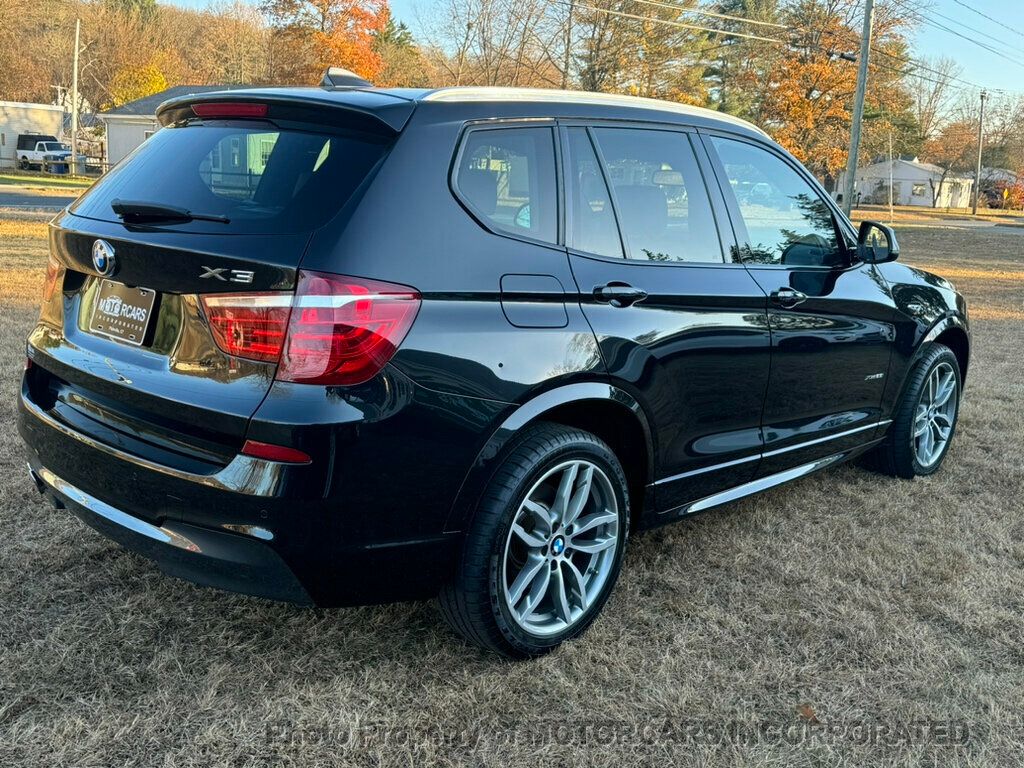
{"x":561,"y":548}
{"x":935,"y":415}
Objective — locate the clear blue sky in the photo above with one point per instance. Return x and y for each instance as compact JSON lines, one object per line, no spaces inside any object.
{"x":979,"y":65}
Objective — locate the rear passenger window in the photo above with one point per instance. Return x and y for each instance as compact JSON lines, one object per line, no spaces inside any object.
{"x":507,"y":176}
{"x":593,"y":220}
{"x":662,"y":204}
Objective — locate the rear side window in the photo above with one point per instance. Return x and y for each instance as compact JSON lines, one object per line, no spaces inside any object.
{"x":507,"y":177}
{"x":593,"y":220}
{"x":263,"y":179}
{"x":661,"y":200}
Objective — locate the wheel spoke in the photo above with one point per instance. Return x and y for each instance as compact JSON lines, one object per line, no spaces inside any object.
{"x":594,"y":546}
{"x":590,"y":522}
{"x":577,"y":584}
{"x":564,"y":493}
{"x":540,"y":513}
{"x":532,"y":540}
{"x":538,"y":589}
{"x":946,"y":389}
{"x":526,"y":577}
{"x":580,"y":497}
{"x":925,"y":454}
{"x":560,"y":597}
{"x":921,"y":426}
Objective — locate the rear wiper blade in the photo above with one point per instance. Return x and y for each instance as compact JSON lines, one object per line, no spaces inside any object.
{"x":136,"y":212}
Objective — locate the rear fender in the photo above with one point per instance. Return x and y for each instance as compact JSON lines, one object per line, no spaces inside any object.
{"x":490,"y":456}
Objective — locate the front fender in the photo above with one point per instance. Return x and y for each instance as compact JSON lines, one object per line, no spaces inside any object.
{"x":489,"y":457}
{"x":927,"y":336}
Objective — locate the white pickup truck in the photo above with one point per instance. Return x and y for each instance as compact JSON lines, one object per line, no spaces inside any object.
{"x":39,"y":151}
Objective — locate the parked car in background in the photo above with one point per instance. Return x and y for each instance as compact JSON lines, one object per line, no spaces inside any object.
{"x":349,"y":345}
{"x":39,"y":151}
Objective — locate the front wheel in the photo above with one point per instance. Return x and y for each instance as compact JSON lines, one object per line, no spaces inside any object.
{"x":925,"y":421}
{"x":545,"y":547}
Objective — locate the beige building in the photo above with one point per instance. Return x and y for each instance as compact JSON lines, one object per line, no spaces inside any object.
{"x":913,"y":183}
{"x":131,"y":124}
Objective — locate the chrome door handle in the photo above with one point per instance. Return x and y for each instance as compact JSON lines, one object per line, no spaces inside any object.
{"x":788,"y":297}
{"x":619,"y":294}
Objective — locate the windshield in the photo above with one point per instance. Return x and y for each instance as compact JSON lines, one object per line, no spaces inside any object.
{"x":53,"y":146}
{"x":262,"y":179}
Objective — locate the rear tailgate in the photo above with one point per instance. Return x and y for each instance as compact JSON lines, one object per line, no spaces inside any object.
{"x":124,"y":347}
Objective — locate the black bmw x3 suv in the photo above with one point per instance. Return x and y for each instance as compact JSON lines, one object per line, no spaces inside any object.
{"x":352,"y":345}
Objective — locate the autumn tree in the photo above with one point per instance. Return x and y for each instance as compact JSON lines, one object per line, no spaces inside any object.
{"x":738,"y":63}
{"x":144,"y":8}
{"x":131,"y":84}
{"x":311,"y":35}
{"x":953,"y":149}
{"x":808,"y":95}
{"x":497,"y":42}
{"x":402,"y":61}
{"x":931,"y":87}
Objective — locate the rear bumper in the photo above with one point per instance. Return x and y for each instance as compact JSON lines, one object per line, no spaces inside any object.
{"x":256,"y":527}
{"x":213,"y":558}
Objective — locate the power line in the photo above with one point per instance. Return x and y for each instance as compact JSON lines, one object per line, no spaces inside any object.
{"x":990,"y":18}
{"x":917,"y":64}
{"x":947,"y":78}
{"x":914,"y":12}
{"x":678,"y":24}
{"x":727,"y":17}
{"x":1012,"y":46}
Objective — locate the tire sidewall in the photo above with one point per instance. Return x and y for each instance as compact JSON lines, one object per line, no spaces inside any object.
{"x":592,"y":451}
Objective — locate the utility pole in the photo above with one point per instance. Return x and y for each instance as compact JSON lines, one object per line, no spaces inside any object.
{"x":890,"y":173}
{"x":858,"y":106}
{"x":568,"y":47}
{"x":977,"y":169}
{"x":74,"y":102}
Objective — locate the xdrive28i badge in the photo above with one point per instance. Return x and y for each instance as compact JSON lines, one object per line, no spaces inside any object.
{"x":103,"y":257}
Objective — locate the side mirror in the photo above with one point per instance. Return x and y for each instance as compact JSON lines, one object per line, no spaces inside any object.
{"x":876,"y":243}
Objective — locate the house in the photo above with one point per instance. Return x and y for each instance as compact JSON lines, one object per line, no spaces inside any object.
{"x":17,"y":118}
{"x":913,"y":183}
{"x":131,"y":124}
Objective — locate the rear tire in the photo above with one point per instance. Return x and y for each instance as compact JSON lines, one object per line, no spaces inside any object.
{"x":545,"y":546}
{"x":24,"y":164}
{"x":925,"y":420}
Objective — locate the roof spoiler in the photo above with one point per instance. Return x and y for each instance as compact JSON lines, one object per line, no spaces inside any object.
{"x":339,"y":77}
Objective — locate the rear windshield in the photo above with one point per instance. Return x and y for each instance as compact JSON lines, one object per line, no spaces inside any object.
{"x":264,"y":180}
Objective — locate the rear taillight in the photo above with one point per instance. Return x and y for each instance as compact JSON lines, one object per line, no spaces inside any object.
{"x":343,"y":330}
{"x":249,"y":325}
{"x":334,"y":330}
{"x":52,"y":271}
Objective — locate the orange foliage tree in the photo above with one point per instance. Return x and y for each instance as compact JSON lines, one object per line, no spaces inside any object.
{"x":806,"y":93}
{"x":311,"y":35}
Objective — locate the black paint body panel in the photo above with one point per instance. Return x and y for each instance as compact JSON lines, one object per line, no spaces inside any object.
{"x":720,"y":386}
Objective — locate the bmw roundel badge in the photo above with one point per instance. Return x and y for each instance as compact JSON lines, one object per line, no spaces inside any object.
{"x":103,"y":257}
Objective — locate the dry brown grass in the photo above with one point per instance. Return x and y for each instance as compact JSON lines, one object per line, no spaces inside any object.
{"x":843,"y":598}
{"x":23,"y":244}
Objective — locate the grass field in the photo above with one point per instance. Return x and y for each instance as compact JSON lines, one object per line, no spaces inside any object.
{"x":44,"y":180}
{"x":805,"y":626}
